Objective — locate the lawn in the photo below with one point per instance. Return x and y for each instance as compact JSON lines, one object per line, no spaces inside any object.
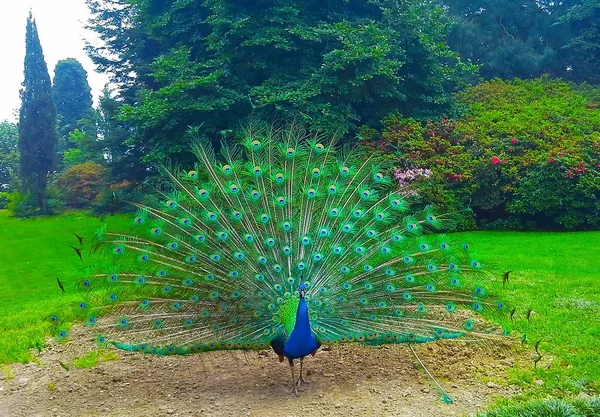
{"x":33,"y":254}
{"x":555,"y":275}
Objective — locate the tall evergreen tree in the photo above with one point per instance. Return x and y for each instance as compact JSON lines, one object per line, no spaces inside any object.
{"x":72,"y":96}
{"x":9,"y":155}
{"x":37,"y":121}
{"x":583,"y":21}
{"x":507,"y":38}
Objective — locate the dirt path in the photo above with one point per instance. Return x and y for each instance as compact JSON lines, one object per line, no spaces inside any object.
{"x":345,"y":381}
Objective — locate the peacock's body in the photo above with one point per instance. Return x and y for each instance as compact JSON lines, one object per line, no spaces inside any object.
{"x":284,"y":243}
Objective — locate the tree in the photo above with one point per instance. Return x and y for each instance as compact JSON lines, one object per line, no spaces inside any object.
{"x":9,"y":155}
{"x":72,"y":97}
{"x":583,"y":20}
{"x":37,"y":121}
{"x":215,"y":62}
{"x":508,"y":39}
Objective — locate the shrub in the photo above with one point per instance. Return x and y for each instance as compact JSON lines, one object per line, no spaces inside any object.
{"x":81,"y":184}
{"x":526,"y":156}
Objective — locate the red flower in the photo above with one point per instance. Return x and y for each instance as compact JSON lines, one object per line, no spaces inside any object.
{"x":513,"y":141}
{"x":412,"y":157}
{"x":495,"y":160}
{"x":510,"y":149}
{"x":554,"y":160}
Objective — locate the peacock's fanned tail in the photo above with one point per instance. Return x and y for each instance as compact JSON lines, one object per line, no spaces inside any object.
{"x":217,"y":263}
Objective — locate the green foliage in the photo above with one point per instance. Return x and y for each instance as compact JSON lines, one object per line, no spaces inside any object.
{"x":507,"y":38}
{"x":583,"y":20}
{"x":81,"y":184}
{"x":37,"y":122}
{"x":552,"y":407}
{"x":72,"y":97}
{"x":527,"y":155}
{"x":9,"y":155}
{"x":216,"y":62}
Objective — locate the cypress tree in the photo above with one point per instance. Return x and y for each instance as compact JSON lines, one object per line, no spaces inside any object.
{"x":72,"y":96}
{"x":37,"y":121}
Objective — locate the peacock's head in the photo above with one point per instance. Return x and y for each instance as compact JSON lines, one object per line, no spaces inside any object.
{"x":302,"y":289}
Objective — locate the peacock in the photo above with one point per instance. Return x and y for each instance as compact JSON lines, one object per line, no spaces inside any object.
{"x":285,"y":240}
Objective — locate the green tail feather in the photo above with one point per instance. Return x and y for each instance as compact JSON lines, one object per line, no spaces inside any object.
{"x":216,"y":265}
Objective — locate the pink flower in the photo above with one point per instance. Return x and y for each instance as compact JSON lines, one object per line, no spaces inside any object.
{"x":510,"y":149}
{"x":495,"y":160}
{"x":513,"y":141}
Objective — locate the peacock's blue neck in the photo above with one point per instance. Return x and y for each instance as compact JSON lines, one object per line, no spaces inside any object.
{"x":301,"y":342}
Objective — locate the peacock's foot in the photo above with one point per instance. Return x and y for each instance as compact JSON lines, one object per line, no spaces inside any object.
{"x":300,"y":381}
{"x":294,"y":389}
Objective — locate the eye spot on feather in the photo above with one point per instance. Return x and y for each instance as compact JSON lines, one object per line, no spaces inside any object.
{"x":227,"y":169}
{"x":255,"y":144}
{"x":290,"y":152}
{"x":139,"y":220}
{"x":193,"y":174}
{"x":332,"y":189}
{"x":344,"y":171}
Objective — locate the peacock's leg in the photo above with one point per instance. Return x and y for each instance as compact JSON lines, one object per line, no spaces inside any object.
{"x":301,"y":379}
{"x":294,"y":386}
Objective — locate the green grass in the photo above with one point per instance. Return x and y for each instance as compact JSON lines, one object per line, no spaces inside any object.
{"x":33,"y":253}
{"x":95,"y":357}
{"x":579,"y":407}
{"x":556,"y":275}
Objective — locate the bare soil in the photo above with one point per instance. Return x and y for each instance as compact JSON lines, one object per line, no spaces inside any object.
{"x":347,"y":380}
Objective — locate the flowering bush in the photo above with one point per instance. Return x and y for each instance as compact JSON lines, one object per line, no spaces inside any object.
{"x":527,"y":154}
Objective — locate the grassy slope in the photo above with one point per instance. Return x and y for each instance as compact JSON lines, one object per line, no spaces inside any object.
{"x":555,"y":275}
{"x":33,"y":253}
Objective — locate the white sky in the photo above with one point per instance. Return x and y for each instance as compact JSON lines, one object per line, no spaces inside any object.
{"x":60,"y":27}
